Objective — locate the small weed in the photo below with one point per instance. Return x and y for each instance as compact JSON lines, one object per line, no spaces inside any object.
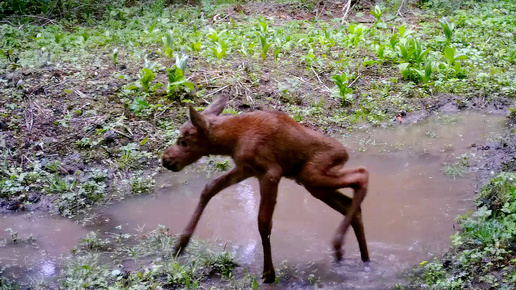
{"x":141,"y":184}
{"x":93,"y":242}
{"x":458,"y":168}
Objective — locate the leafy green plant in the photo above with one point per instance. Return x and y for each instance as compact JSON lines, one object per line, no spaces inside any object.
{"x":168,"y":44}
{"x":142,"y":184}
{"x":377,"y":12}
{"x":176,"y":79}
{"x":115,"y":56}
{"x":452,"y":61}
{"x":265,"y":46}
{"x":342,"y":89}
{"x":219,"y":49}
{"x":380,"y":53}
{"x":355,"y":33}
{"x":309,"y":57}
{"x":215,"y":35}
{"x":448,"y":29}
{"x":146,"y":76}
{"x":263,"y":26}
{"x":414,"y":56}
{"x":277,"y":51}
{"x":139,"y":105}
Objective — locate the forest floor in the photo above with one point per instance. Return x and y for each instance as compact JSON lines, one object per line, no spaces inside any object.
{"x":87,"y":109}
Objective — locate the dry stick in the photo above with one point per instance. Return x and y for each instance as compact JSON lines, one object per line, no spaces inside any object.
{"x":320,"y":80}
{"x":354,"y":81}
{"x":214,"y":92}
{"x":348,"y":6}
{"x":399,"y":8}
{"x":40,"y":17}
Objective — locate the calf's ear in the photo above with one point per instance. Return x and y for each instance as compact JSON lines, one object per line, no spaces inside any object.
{"x":198,"y":120}
{"x":217,"y":106}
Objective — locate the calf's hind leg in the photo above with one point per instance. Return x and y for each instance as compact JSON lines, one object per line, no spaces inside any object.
{"x":342,"y":203}
{"x":333,"y":179}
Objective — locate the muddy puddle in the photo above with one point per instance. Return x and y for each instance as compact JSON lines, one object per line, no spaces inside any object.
{"x":408,"y":213}
{"x":31,"y":244}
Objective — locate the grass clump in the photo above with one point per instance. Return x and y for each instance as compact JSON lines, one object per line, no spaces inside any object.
{"x":483,"y":252}
{"x":152,"y":255}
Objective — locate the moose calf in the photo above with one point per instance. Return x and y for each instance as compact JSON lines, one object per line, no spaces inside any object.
{"x":270,"y":145}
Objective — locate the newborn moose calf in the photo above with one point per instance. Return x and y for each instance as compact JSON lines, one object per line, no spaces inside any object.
{"x":269,"y":145}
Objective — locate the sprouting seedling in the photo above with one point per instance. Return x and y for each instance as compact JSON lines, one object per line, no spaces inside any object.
{"x":215,"y":35}
{"x":356,"y":32}
{"x":403,"y":31}
{"x":115,"y":56}
{"x":168,"y":43}
{"x":450,"y":53}
{"x":149,"y":64}
{"x":265,"y":46}
{"x":452,"y":59}
{"x":182,"y":61}
{"x":448,"y":28}
{"x":219,"y":49}
{"x":394,"y":40}
{"x":263,"y":25}
{"x":85,"y":35}
{"x":377,"y":13}
{"x":380,"y":52}
{"x":176,"y":78}
{"x":309,"y":57}
{"x":426,"y":74}
{"x":146,"y":76}
{"x":342,"y":89}
{"x":276,"y":54}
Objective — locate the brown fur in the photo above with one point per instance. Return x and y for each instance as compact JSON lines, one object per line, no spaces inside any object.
{"x":271,"y":145}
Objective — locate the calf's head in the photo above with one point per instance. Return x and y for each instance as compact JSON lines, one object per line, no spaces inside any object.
{"x":193,"y":142}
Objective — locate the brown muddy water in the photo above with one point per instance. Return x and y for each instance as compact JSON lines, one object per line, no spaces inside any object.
{"x":408,"y":213}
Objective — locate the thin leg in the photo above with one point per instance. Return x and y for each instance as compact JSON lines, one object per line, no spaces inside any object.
{"x":334,"y":178}
{"x":210,"y":190}
{"x":268,"y":192}
{"x":342,"y":203}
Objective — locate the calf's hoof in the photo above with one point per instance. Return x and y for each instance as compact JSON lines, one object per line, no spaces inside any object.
{"x":339,"y":253}
{"x":269,"y":277}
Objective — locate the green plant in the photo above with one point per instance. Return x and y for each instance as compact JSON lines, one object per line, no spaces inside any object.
{"x":168,"y":44}
{"x":380,"y":53}
{"x":452,"y":62}
{"x":309,"y":57}
{"x":414,"y":56}
{"x":356,"y":33}
{"x":265,"y":46}
{"x":92,"y":242}
{"x":146,"y":76}
{"x":115,"y":56}
{"x":342,"y":89}
{"x":142,"y":184}
{"x":219,"y":49}
{"x":457,"y":168}
{"x":139,"y":105}
{"x":377,"y":13}
{"x":263,"y":25}
{"x":448,"y":28}
{"x":176,"y":79}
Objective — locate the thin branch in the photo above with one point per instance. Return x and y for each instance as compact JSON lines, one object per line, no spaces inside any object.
{"x":40,"y":17}
{"x":320,"y":79}
{"x":214,"y":92}
{"x":347,"y":7}
{"x":399,"y":8}
{"x":354,"y":81}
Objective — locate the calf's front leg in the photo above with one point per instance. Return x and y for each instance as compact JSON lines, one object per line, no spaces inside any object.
{"x":236,"y":175}
{"x":268,"y":193}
